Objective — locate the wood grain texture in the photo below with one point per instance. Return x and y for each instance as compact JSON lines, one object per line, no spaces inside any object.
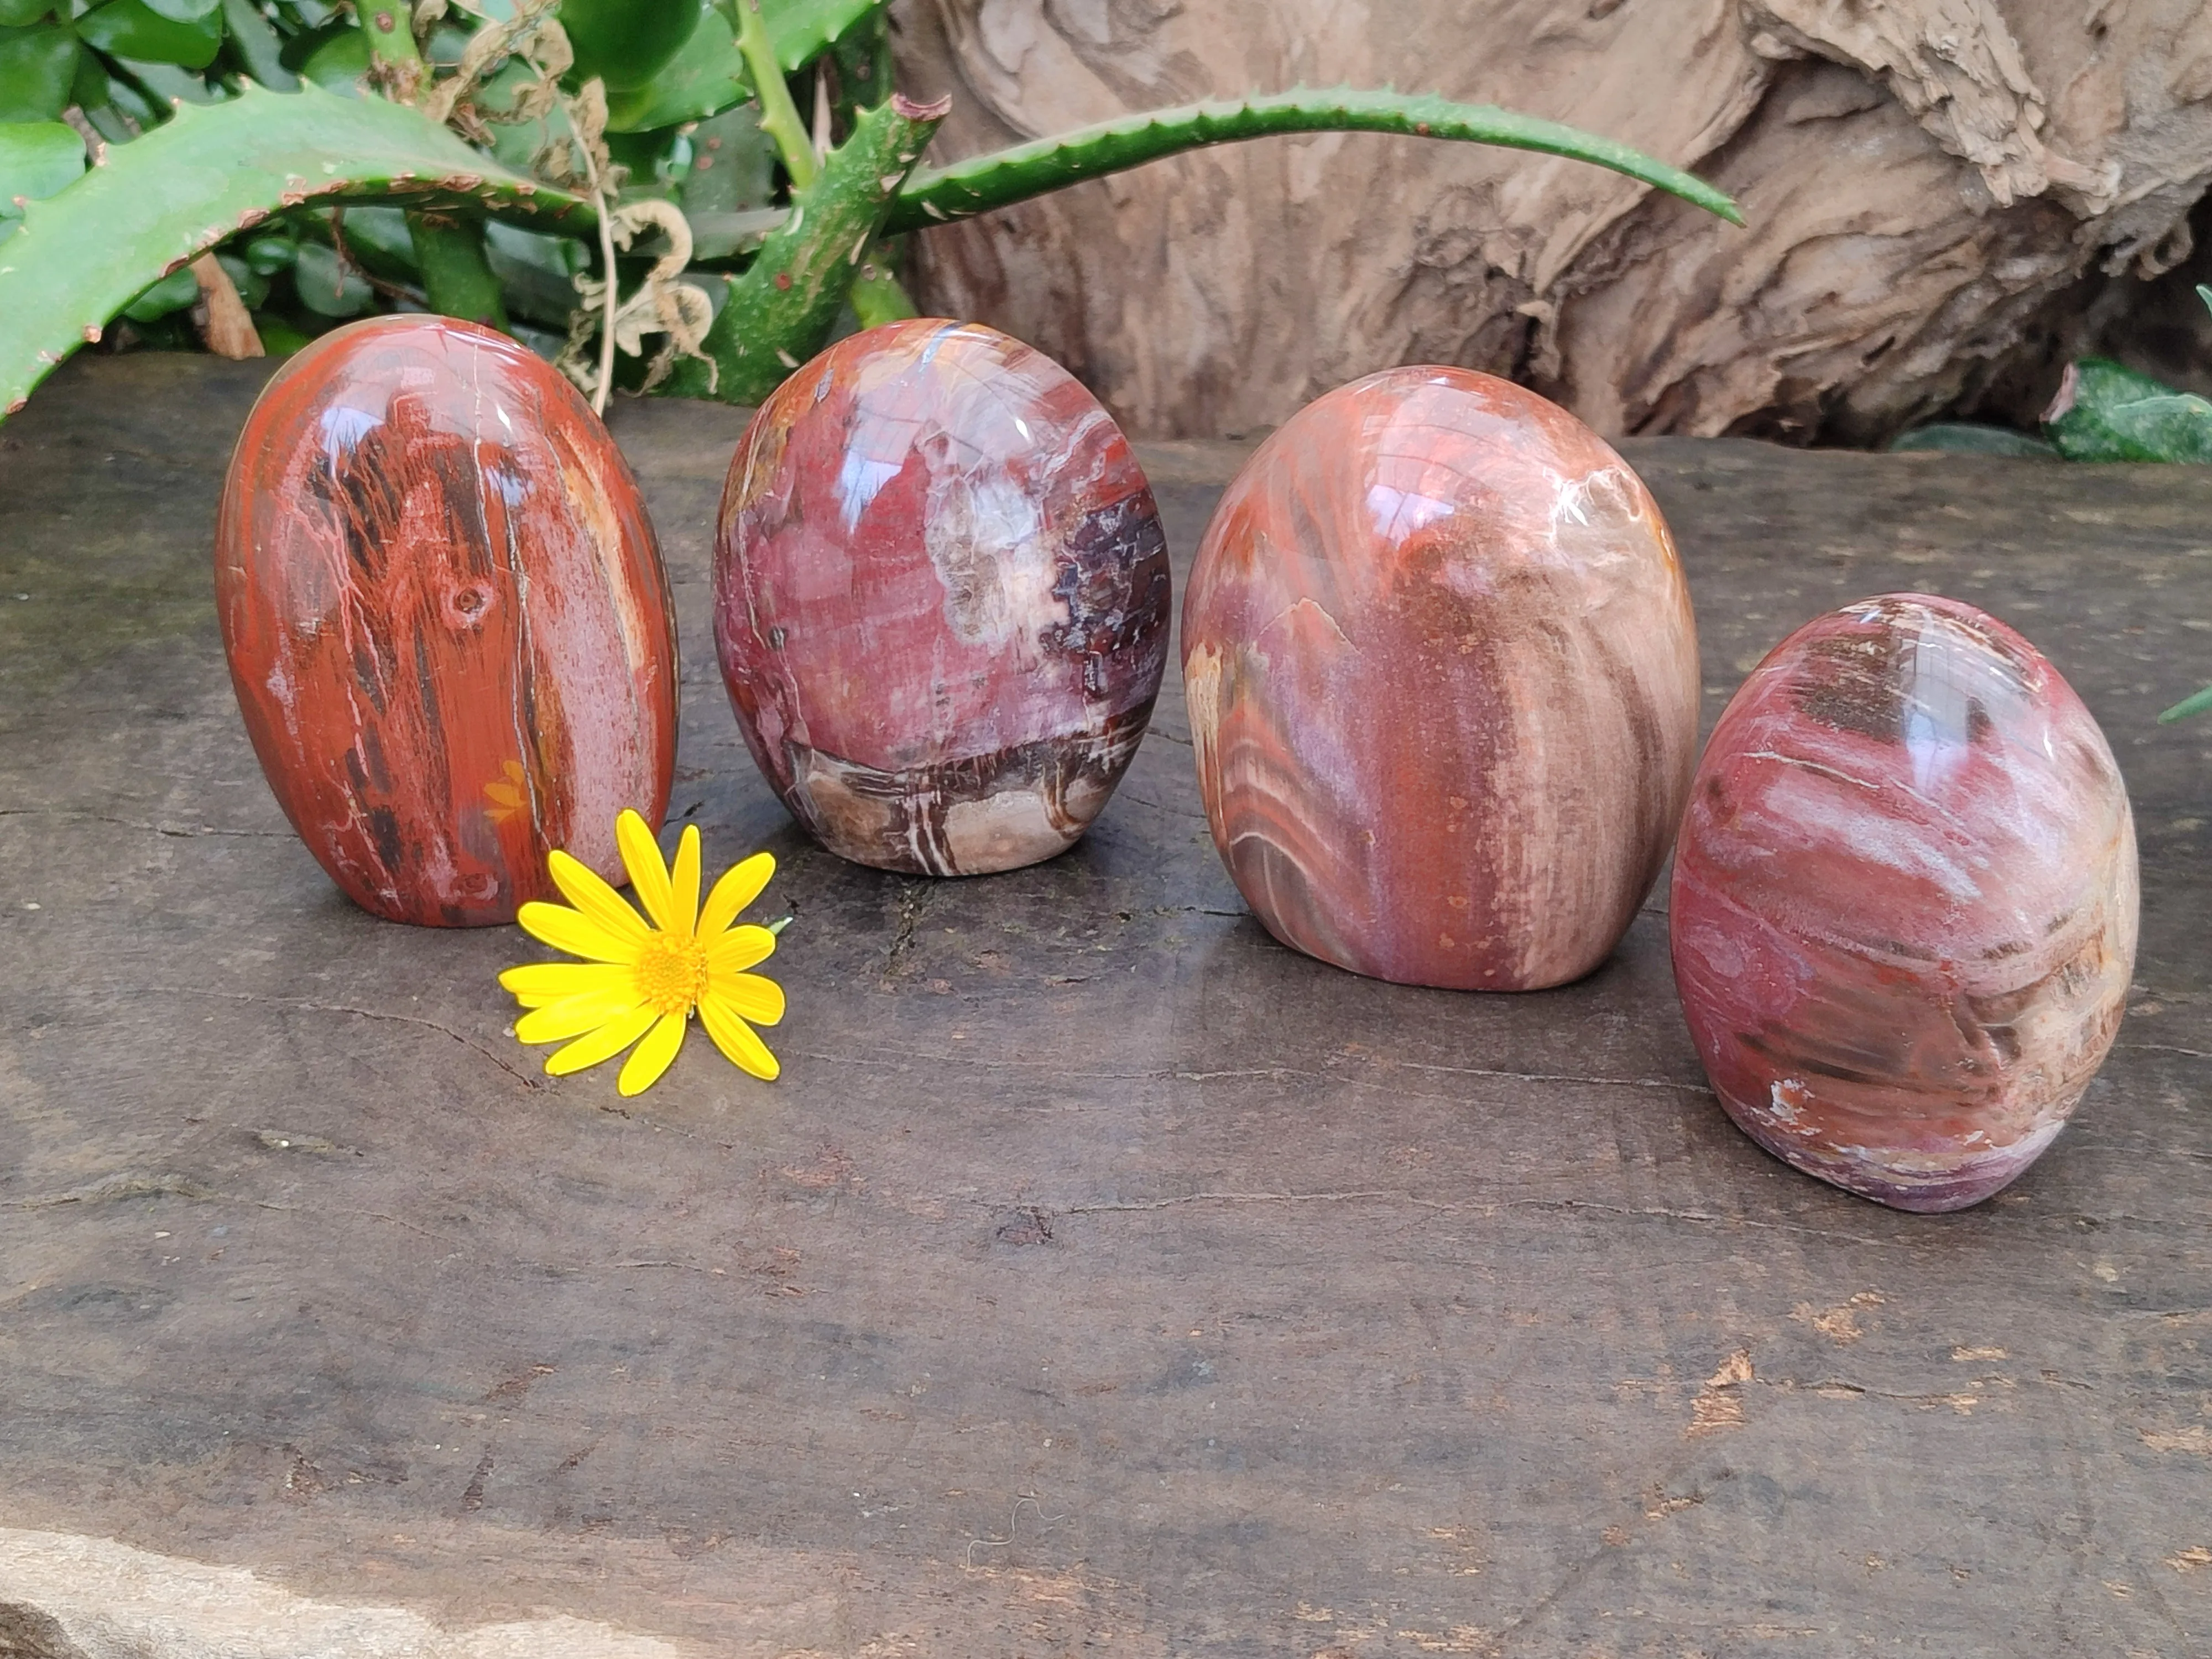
{"x":446,"y":618}
{"x":1443,"y":681}
{"x":1905,"y":905}
{"x":1358,"y":1318}
{"x":941,"y":599}
{"x":1936,"y":190}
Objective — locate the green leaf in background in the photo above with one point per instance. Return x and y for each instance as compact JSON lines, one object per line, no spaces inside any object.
{"x":36,"y":67}
{"x":339,"y":64}
{"x":627,"y":42}
{"x":256,"y":46}
{"x":252,"y":287}
{"x":172,"y":293}
{"x":85,"y":252}
{"x":37,"y":158}
{"x":707,"y":75}
{"x":1973,"y":438}
{"x":267,"y":255}
{"x":536,"y":272}
{"x":2106,"y":412}
{"x":326,"y":285}
{"x":17,"y":14}
{"x":733,"y":167}
{"x":801,"y":30}
{"x":299,"y":48}
{"x":132,"y":29}
{"x":167,"y":84}
{"x":381,"y":244}
{"x":185,"y":11}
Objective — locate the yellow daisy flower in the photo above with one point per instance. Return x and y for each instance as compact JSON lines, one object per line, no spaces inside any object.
{"x":641,"y":980}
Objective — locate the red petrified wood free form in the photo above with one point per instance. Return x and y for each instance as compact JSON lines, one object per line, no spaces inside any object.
{"x":447,"y":619}
{"x":1904,"y":902}
{"x":940,"y":600}
{"x":1444,"y":684}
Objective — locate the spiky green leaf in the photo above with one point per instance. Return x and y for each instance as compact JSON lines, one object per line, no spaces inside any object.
{"x":84,"y":253}
{"x":1007,"y":176}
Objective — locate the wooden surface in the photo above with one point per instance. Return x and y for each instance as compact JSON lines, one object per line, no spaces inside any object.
{"x":1101,"y":1276}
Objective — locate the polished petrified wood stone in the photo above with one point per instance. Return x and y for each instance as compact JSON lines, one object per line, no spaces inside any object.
{"x":940,"y":600}
{"x":1904,"y":902}
{"x":1444,"y":684}
{"x":447,"y":619}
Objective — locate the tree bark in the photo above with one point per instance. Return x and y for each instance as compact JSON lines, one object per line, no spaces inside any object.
{"x":1942,"y":196}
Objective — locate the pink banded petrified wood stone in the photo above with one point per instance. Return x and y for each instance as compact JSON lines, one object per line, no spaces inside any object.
{"x":1905,"y":903}
{"x":1442,"y":679}
{"x":940,"y":600}
{"x":447,"y":619}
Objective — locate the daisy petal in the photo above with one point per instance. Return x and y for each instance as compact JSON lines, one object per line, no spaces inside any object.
{"x":572,"y":931}
{"x":739,"y":949}
{"x":640,"y":856}
{"x":739,"y":886}
{"x":585,"y":889}
{"x":652,"y":1057}
{"x":536,"y":983}
{"x":748,"y":996}
{"x":683,"y":881}
{"x":605,"y":1043}
{"x":573,"y":1016}
{"x":738,"y":1040}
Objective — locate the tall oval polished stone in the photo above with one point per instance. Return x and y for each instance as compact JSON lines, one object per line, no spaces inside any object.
{"x":1904,"y":902}
{"x":940,"y":600}
{"x":447,"y":619}
{"x":1443,"y":680}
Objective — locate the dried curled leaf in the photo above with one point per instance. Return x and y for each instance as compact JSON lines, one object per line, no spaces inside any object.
{"x":661,"y":304}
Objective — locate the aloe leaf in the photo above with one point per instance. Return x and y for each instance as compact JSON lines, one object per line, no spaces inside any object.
{"x":85,"y":252}
{"x":987,"y":182}
{"x":782,"y":310}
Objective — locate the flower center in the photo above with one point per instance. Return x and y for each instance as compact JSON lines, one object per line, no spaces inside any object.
{"x":671,"y":975}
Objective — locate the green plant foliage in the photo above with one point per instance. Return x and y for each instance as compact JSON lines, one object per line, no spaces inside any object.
{"x":327,"y":285}
{"x":1970,"y":437}
{"x":82,"y":254}
{"x":37,"y":65}
{"x":625,"y":43}
{"x":132,"y":30}
{"x":2106,"y":412}
{"x":175,"y":291}
{"x":802,"y":30}
{"x":37,"y":158}
{"x":257,"y":47}
{"x":702,"y":114}
{"x":997,"y":180}
{"x":787,"y":303}
{"x":706,"y":76}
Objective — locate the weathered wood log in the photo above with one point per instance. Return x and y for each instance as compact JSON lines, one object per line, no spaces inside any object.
{"x":1937,"y":190}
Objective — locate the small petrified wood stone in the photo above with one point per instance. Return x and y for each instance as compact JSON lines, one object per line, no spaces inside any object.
{"x":1444,"y":684}
{"x":940,"y":600}
{"x":447,"y":620}
{"x":1905,"y":903}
